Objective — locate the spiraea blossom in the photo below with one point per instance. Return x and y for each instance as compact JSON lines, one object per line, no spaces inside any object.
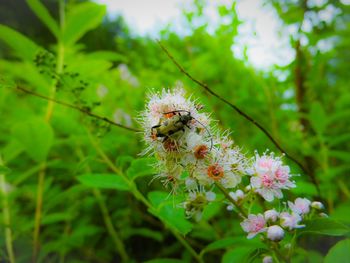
{"x":254,"y":225}
{"x":198,"y":162}
{"x":301,"y":206}
{"x":270,"y":176}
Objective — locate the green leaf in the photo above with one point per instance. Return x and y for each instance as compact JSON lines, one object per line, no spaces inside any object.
{"x":43,"y":14}
{"x":107,"y":55}
{"x":145,"y":232}
{"x":318,"y":117}
{"x":232,"y":241}
{"x":166,"y":209}
{"x":340,"y":252}
{"x":23,"y":46}
{"x":55,"y":218}
{"x":239,"y":254}
{"x":4,"y":169}
{"x":325,"y":226}
{"x":107,"y":181}
{"x":80,"y":19}
{"x":341,"y":212}
{"x":141,"y":167}
{"x":36,"y":136}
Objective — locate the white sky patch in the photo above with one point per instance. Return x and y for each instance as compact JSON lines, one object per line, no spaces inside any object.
{"x":258,"y":33}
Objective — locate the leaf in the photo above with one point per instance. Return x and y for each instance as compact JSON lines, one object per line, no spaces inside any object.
{"x":145,"y":232}
{"x":211,"y":210}
{"x":36,"y":136}
{"x":168,"y":212}
{"x":55,"y":218}
{"x":318,"y":118}
{"x":340,"y":252}
{"x":239,"y":254}
{"x":341,"y":212}
{"x":4,"y":169}
{"x":232,"y":241}
{"x":141,"y":167}
{"x":80,"y":19}
{"x":107,"y":55}
{"x":23,"y":46}
{"x":43,"y":14}
{"x":107,"y":181}
{"x":325,"y":226}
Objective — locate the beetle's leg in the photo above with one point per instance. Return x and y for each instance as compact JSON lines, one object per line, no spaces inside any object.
{"x":165,"y":138}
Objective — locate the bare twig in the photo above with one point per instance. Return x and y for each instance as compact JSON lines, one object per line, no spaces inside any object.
{"x":240,"y":112}
{"x":85,"y":111}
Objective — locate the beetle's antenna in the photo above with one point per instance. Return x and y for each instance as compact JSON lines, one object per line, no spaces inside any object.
{"x":177,"y":111}
{"x":205,"y":127}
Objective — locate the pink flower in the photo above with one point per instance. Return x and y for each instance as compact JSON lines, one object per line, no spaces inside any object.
{"x":254,"y":225}
{"x":290,"y":221}
{"x":270,"y":176}
{"x":301,"y":206}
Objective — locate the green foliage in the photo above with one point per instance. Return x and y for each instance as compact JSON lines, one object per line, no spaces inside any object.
{"x":36,"y":137}
{"x":339,"y":252}
{"x":24,"y":47}
{"x":43,"y":14}
{"x":325,"y":226}
{"x":164,"y":208}
{"x":80,"y":19}
{"x":106,"y":181}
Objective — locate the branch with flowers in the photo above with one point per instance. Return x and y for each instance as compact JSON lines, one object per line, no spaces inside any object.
{"x":197,"y":161}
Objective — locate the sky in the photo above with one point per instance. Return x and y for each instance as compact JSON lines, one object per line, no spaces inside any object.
{"x":259,"y":32}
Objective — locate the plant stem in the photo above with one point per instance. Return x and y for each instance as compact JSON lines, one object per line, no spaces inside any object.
{"x":6,"y":216}
{"x":106,"y":217}
{"x":227,"y":195}
{"x":109,"y":225}
{"x":139,"y":196}
{"x":48,"y":115}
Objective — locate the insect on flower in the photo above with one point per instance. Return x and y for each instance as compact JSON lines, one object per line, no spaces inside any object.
{"x":174,"y":123}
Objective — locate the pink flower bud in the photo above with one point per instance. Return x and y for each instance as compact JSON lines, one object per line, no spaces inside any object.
{"x":267,"y":259}
{"x":317,"y":205}
{"x":271,"y":215}
{"x":275,"y":233}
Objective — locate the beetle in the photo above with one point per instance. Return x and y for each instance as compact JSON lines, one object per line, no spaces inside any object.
{"x":174,"y":124}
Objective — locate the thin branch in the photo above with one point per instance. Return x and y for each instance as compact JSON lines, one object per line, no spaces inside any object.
{"x":85,"y":111}
{"x":240,"y":112}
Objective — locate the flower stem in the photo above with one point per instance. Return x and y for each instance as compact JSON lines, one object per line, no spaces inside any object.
{"x":227,"y":195}
{"x":6,"y":217}
{"x":48,"y":115}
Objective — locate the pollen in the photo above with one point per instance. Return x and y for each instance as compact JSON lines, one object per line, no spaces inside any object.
{"x":169,"y":115}
{"x":200,"y":151}
{"x":170,"y":145}
{"x":215,"y":172}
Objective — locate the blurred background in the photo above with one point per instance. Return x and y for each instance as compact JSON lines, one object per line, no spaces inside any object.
{"x":285,"y":63}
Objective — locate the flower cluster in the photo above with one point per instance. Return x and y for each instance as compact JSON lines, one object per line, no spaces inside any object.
{"x":191,"y":156}
{"x":198,"y":161}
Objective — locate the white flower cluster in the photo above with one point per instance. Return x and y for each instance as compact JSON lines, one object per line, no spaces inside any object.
{"x":194,"y":158}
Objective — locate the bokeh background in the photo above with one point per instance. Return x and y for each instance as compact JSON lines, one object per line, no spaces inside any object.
{"x":285,"y":63}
